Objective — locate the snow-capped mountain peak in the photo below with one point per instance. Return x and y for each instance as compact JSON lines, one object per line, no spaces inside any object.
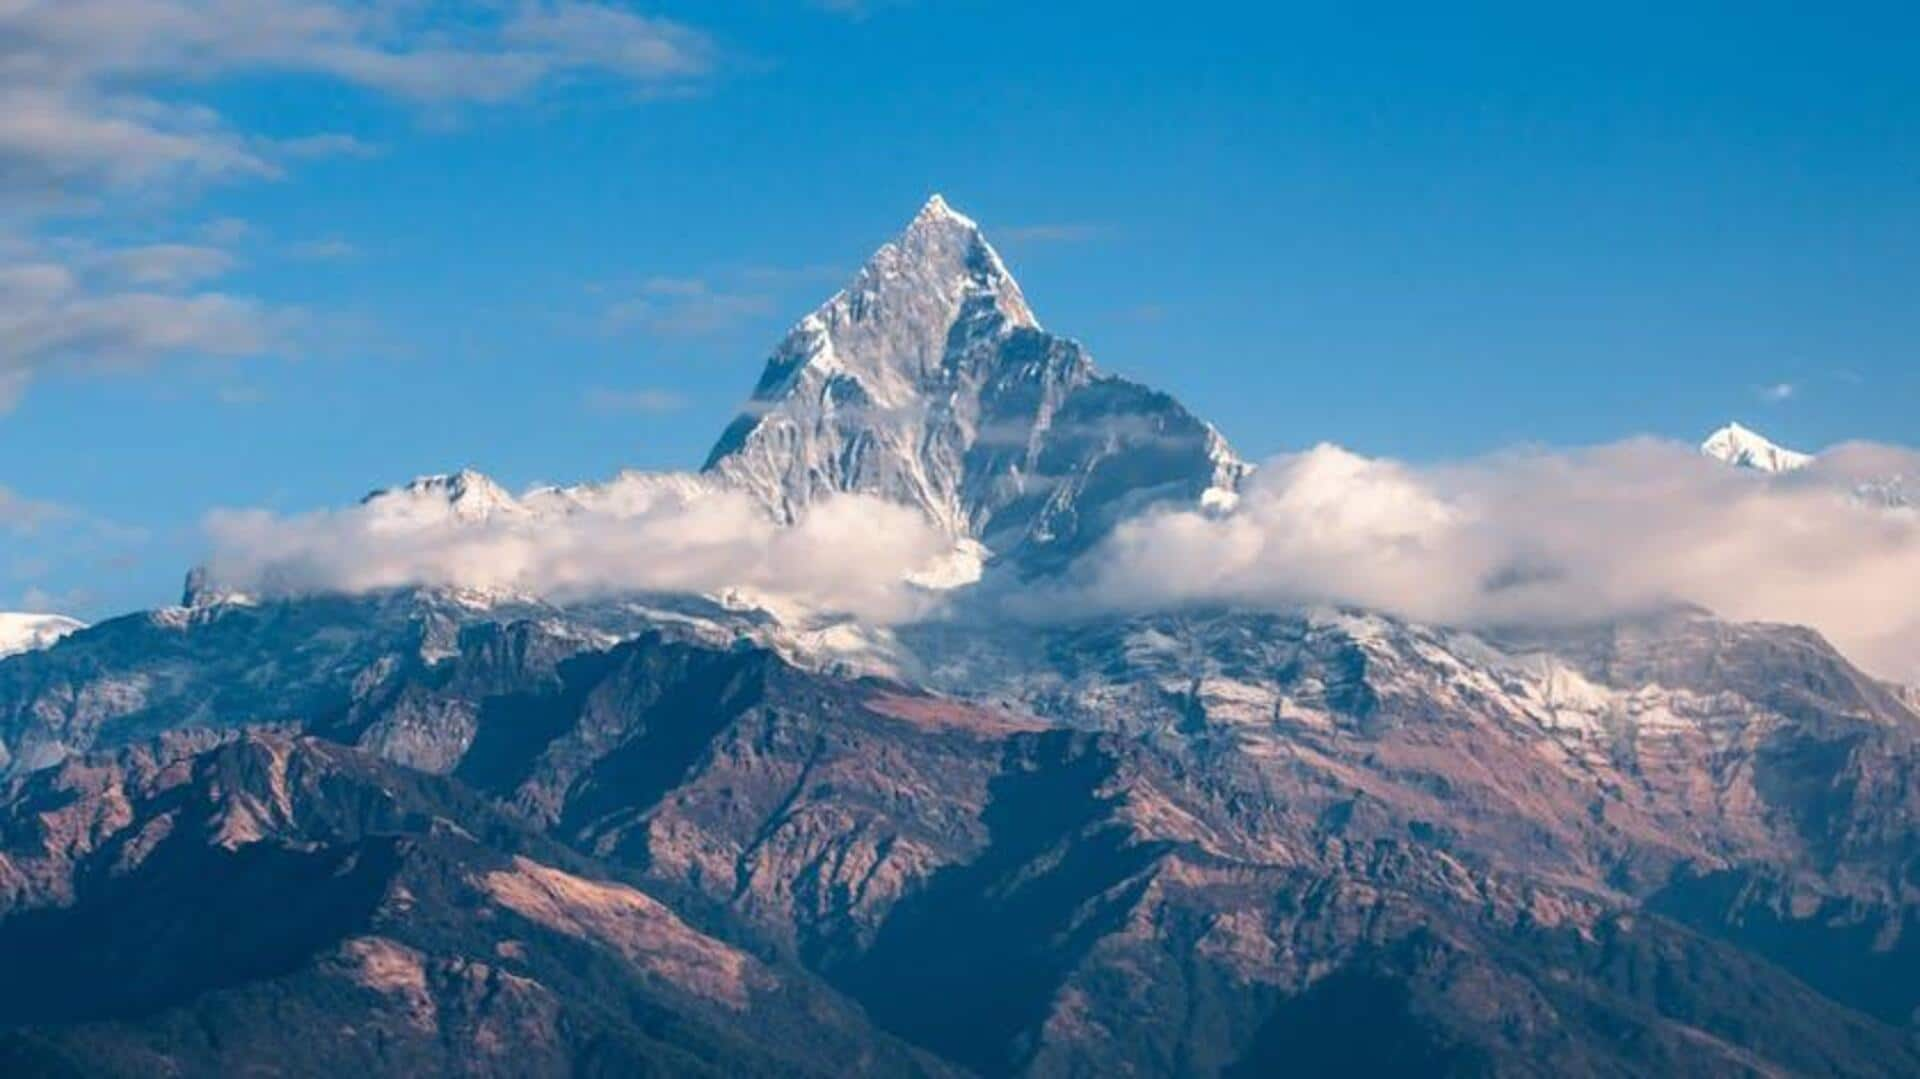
{"x":928,"y":381}
{"x":1744,"y":448}
{"x":21,"y":632}
{"x":885,"y":334}
{"x":465,"y":496}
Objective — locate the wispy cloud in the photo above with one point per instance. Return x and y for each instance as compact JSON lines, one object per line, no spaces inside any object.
{"x":42,"y":536}
{"x":331,"y":250}
{"x":89,"y":88}
{"x":682,"y":306}
{"x":21,"y":515}
{"x":122,"y":309}
{"x":166,"y":265}
{"x":1048,"y":233}
{"x":856,"y":9}
{"x":325,"y":145}
{"x":784,"y":277}
{"x":1777,"y":392}
{"x":646,"y":402}
{"x":102,"y":102}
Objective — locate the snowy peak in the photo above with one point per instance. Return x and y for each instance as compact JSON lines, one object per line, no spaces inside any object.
{"x":465,"y":496}
{"x":30,"y":632}
{"x":928,"y":381}
{"x":1744,"y":448}
{"x":946,"y":249}
{"x":886,"y":332}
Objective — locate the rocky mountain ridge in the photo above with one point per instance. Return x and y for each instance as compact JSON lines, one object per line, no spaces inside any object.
{"x":1176,"y":836}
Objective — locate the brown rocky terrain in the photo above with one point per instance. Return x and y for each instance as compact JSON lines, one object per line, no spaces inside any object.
{"x":1234,"y":841}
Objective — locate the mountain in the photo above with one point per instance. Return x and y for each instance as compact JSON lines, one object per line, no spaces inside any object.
{"x":469,"y":497}
{"x":1198,"y":844}
{"x":214,"y":905}
{"x":928,"y":381}
{"x":26,"y":632}
{"x":1738,"y":446}
{"x":419,"y":829}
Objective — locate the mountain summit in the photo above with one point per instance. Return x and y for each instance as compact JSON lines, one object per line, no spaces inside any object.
{"x":1744,"y":448}
{"x":929,"y":381}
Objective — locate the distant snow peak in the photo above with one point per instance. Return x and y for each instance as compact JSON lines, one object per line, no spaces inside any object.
{"x":21,"y":632}
{"x":1745,"y":448}
{"x":937,"y":209}
{"x":465,"y":495}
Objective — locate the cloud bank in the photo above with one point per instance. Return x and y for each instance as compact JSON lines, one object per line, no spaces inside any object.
{"x":1544,"y":537}
{"x":1527,"y":537}
{"x":851,"y":554}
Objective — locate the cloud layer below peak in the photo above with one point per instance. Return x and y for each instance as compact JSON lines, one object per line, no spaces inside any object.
{"x":1543,"y":537}
{"x":1531,"y":537}
{"x":851,"y":554}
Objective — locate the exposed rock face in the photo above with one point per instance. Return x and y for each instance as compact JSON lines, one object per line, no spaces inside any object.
{"x":203,"y":906}
{"x":928,"y":381}
{"x":1179,"y":845}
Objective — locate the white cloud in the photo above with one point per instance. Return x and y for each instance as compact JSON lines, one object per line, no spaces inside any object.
{"x":1055,"y":232}
{"x":21,"y":515}
{"x":98,"y":103}
{"x":1778,"y":392}
{"x":57,"y":145}
{"x":1542,"y":537}
{"x":646,"y":401}
{"x":682,"y":307}
{"x":91,"y":90}
{"x":121,"y":309}
{"x":850,"y":554}
{"x":166,"y":265}
{"x":325,"y":145}
{"x":856,"y":9}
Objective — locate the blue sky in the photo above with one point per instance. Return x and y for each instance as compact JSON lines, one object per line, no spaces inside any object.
{"x":550,"y":240}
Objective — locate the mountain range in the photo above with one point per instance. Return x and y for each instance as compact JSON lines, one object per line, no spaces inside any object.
{"x":427,"y":828}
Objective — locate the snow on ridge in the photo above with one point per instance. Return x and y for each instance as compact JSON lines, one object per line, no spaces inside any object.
{"x":1743,"y":447}
{"x":24,"y":632}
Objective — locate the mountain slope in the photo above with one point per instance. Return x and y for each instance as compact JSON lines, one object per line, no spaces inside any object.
{"x":1179,"y":842}
{"x":265,"y":903}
